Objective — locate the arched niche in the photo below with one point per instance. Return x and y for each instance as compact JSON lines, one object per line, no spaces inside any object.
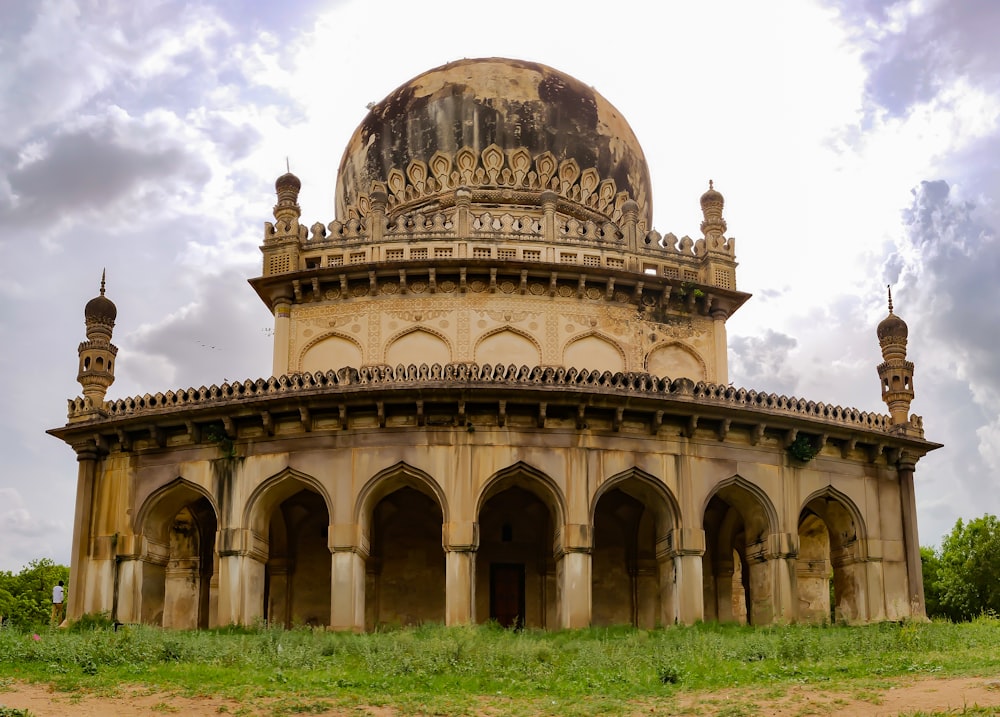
{"x":632,"y":573}
{"x":830,"y":568}
{"x":290,"y":512}
{"x":519,"y":513}
{"x":594,"y":352}
{"x":418,"y":347}
{"x":676,"y":360}
{"x":738,"y":520}
{"x":330,"y":353}
{"x":508,"y":347}
{"x":401,"y":511}
{"x":179,"y":574}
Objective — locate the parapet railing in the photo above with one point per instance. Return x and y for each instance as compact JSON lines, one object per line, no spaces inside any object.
{"x":471,"y":375}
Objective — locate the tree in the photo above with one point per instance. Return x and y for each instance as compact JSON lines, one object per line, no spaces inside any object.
{"x":968,"y":572}
{"x":930,"y":565}
{"x":26,"y":597}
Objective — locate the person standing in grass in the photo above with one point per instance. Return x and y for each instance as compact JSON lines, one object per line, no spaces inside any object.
{"x":58,"y":595}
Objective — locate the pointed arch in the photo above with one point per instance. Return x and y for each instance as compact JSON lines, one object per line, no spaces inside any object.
{"x":353,"y":344}
{"x":646,"y":488}
{"x":745,"y":496}
{"x":272,"y":491}
{"x":531,"y":479}
{"x":402,"y":511}
{"x":855,"y":530}
{"x":179,"y":522}
{"x":633,"y":516}
{"x":437,"y":350}
{"x":676,"y":360}
{"x":600,"y":351}
{"x":388,"y":480}
{"x":516,"y":359}
{"x":159,"y":508}
{"x":833,"y":549}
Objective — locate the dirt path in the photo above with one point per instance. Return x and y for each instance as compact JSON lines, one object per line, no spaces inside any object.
{"x":948,"y":695}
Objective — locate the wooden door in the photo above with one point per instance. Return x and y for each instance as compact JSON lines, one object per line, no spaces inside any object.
{"x":507,"y":594}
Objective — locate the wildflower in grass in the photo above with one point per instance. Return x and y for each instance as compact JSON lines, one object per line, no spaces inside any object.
{"x":36,"y":637}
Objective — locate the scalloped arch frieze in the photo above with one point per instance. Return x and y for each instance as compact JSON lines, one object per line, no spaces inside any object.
{"x":493,"y":168}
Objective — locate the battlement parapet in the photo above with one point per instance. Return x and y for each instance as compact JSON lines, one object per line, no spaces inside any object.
{"x":471,"y":375}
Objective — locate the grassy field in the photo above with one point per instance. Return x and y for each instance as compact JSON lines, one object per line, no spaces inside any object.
{"x":474,"y":670}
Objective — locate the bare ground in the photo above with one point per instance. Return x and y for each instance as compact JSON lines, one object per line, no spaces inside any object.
{"x":928,"y":695}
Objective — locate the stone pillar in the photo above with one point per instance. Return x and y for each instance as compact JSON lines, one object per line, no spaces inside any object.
{"x":666,"y":583}
{"x":460,"y":587}
{"x":347,"y":591}
{"x":782,"y":548}
{"x":241,"y":578}
{"x":182,"y":594}
{"x":128,"y":593}
{"x":277,"y":608}
{"x":349,"y":551}
{"x":549,"y":199}
{"x":86,"y":456}
{"x":463,"y":217}
{"x":282,"y":307}
{"x":723,"y":572}
{"x":460,"y":541}
{"x":720,"y":313}
{"x":911,"y":543}
{"x":574,"y":568}
{"x":689,"y":548}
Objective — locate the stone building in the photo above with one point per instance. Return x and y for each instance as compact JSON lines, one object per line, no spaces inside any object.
{"x":497,"y":393}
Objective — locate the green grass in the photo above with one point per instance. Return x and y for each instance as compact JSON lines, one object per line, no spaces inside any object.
{"x":433,"y":669}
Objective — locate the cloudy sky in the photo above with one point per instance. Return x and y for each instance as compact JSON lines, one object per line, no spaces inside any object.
{"x":857,"y":144}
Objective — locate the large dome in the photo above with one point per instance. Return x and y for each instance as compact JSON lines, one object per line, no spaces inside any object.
{"x":482,"y":102}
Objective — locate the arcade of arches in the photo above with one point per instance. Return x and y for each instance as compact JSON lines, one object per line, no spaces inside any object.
{"x":529,"y":553}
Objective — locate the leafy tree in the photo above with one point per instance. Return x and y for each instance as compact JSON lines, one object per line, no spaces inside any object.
{"x":26,"y":597}
{"x":930,"y":565}
{"x":968,"y":572}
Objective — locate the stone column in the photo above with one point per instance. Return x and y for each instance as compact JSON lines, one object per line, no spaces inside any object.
{"x":720,"y":313}
{"x":86,"y":456}
{"x":908,"y":508}
{"x":460,"y":587}
{"x":689,"y":548}
{"x":723,"y":571}
{"x":460,"y":541}
{"x":666,"y":583}
{"x":574,"y":568}
{"x":277,"y":609}
{"x":282,"y":307}
{"x":241,"y":578}
{"x":128,"y":596}
{"x":349,"y":551}
{"x":782,"y":548}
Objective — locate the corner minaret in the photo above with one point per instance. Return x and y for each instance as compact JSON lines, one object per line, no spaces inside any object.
{"x":895,"y":371}
{"x":97,"y":353}
{"x":713,"y":226}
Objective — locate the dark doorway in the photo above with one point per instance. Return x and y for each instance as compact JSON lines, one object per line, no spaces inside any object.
{"x":507,"y":594}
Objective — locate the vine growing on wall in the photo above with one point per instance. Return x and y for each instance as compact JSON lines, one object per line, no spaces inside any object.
{"x":803,"y":449}
{"x":217,"y":435}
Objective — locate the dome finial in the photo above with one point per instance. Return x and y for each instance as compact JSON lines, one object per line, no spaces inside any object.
{"x":889,"y":287}
{"x":103,"y":275}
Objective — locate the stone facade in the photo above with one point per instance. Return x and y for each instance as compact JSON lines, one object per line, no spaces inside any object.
{"x":497,"y":393}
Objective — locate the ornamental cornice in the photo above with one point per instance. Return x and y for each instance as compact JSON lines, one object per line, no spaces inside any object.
{"x":652,"y":396}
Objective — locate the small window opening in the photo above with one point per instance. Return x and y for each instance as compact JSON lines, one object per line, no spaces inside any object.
{"x":506,"y":533}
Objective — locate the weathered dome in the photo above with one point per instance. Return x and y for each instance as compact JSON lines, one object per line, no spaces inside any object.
{"x":101,"y":308}
{"x":892,"y":327}
{"x":482,"y":102}
{"x":288,"y":181}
